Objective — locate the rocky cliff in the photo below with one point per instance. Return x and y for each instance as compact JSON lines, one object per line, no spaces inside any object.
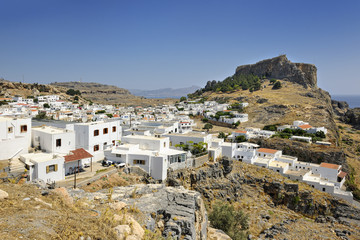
{"x":346,"y":114}
{"x":260,"y":191}
{"x":176,"y":212}
{"x":281,"y":68}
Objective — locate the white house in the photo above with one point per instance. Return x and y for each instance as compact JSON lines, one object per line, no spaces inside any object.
{"x":95,"y":137}
{"x":53,"y":140}
{"x":44,"y":166}
{"x":191,"y":137}
{"x":152,"y":154}
{"x":15,"y":137}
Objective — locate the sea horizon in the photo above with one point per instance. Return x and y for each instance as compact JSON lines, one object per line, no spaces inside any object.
{"x":352,"y":100}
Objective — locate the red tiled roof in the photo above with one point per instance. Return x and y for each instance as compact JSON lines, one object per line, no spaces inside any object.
{"x":240,"y":131}
{"x":267,"y":150}
{"x":306,"y":126}
{"x":342,"y":174}
{"x":77,"y":154}
{"x":329,"y":165}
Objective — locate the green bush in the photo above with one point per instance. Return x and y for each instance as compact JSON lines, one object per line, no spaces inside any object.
{"x":208,"y":126}
{"x":277,"y":85}
{"x":73,"y":92}
{"x":240,"y":139}
{"x":233,"y":222}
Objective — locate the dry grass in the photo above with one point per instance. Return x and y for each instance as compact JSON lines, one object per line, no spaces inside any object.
{"x":34,"y":220}
{"x":116,"y":179}
{"x":298,"y":106}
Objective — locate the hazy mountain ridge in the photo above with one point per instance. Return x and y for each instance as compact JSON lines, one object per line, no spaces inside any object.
{"x":164,"y":92}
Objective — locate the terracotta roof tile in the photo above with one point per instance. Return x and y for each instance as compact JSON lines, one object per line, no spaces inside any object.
{"x":342,"y":174}
{"x":306,"y":126}
{"x":77,"y":154}
{"x":267,"y":150}
{"x":329,"y":165}
{"x":240,"y":131}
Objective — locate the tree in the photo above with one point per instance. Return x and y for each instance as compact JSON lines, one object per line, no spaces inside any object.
{"x":222,"y":135}
{"x":182,"y":99}
{"x":233,"y":222}
{"x":240,"y":139}
{"x":73,"y":92}
{"x":277,"y":85}
{"x":41,"y":115}
{"x":273,"y":80}
{"x":46,"y":105}
{"x":208,"y":126}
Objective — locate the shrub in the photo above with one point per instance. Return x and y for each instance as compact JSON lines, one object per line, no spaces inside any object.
{"x":240,"y":139}
{"x":232,"y":222}
{"x":208,"y":126}
{"x":277,"y":85}
{"x":73,"y":92}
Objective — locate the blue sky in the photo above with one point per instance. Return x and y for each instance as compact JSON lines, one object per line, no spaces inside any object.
{"x":157,"y":44}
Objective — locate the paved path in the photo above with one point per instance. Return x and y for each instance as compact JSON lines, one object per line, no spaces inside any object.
{"x":85,"y":178}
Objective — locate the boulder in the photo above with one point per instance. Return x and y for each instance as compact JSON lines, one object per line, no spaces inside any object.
{"x":216,"y":234}
{"x":122,"y":231}
{"x":63,"y":193}
{"x":3,"y":194}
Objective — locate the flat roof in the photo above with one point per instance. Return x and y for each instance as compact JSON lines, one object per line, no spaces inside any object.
{"x":143,"y":137}
{"x":189,"y":134}
{"x":40,"y":157}
{"x":278,"y":164}
{"x":298,"y":173}
{"x":51,"y":129}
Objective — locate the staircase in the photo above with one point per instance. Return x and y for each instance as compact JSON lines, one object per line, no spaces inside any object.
{"x":16,"y":167}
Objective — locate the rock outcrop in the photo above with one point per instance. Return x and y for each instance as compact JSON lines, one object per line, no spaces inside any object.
{"x":281,"y":68}
{"x":226,"y":180}
{"x":177,"y":212}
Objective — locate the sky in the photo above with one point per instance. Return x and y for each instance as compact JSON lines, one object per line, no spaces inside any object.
{"x":165,"y":43}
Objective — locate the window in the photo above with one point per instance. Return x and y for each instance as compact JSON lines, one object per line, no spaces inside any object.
{"x":105,"y":131}
{"x":164,"y":144}
{"x":58,"y":142}
{"x":23,"y":128}
{"x":118,"y":155}
{"x":51,"y":168}
{"x":10,"y":129}
{"x":105,"y":143}
{"x":113,"y":142}
{"x":139,"y":162}
{"x":114,"y":129}
{"x":323,"y":189}
{"x":96,"y":132}
{"x":96,"y":148}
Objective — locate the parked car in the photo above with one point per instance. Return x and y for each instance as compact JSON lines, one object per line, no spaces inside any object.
{"x":106,"y":163}
{"x":119,"y":165}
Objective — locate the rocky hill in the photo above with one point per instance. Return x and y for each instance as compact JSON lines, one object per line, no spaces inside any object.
{"x":281,"y":68}
{"x":299,"y":98}
{"x":94,"y":92}
{"x":109,"y":94}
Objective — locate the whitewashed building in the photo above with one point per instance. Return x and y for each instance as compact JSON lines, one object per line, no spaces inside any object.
{"x":152,"y":154}
{"x":95,"y":137}
{"x":15,"y":137}
{"x":53,"y":140}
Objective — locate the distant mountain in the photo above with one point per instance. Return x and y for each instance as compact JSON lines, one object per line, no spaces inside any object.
{"x":109,"y":94}
{"x":164,"y":92}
